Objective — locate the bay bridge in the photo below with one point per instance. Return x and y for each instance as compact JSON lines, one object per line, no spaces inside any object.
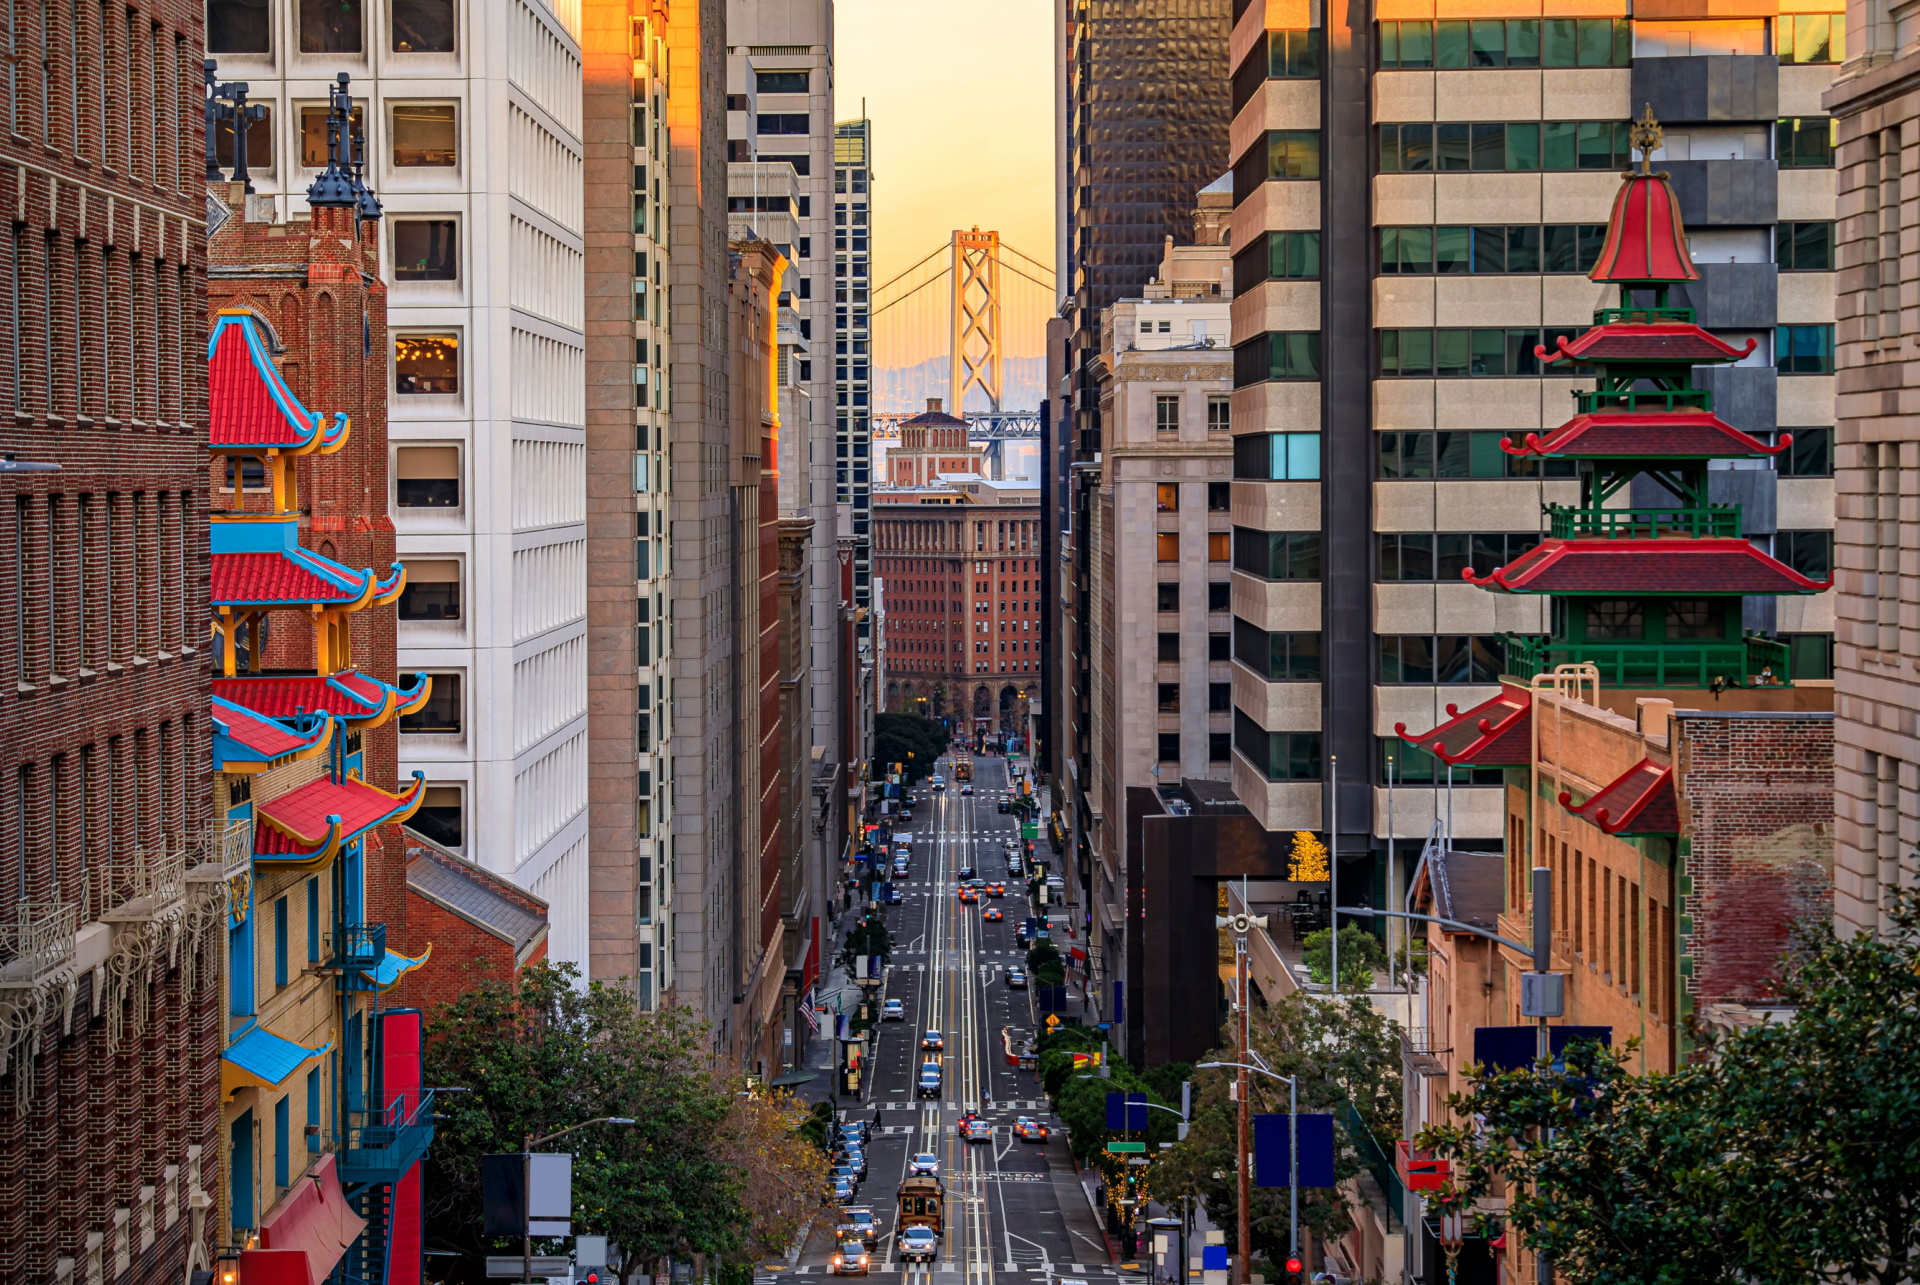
{"x":965,"y":323}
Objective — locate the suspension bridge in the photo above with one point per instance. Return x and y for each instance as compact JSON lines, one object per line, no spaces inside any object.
{"x":967,"y":324}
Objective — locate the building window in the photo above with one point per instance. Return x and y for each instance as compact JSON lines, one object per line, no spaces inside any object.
{"x":1277,"y":657}
{"x":442,"y":714}
{"x":1167,"y":597}
{"x":1278,"y":756}
{"x":1515,"y":42}
{"x":1808,"y":552}
{"x":330,"y":26}
{"x":440,"y":814}
{"x":1277,"y":457}
{"x":1803,"y":350}
{"x":1168,"y":649}
{"x":1169,"y":698}
{"x":1277,"y":555}
{"x":1803,"y":246}
{"x":238,"y":27}
{"x":433,"y":590}
{"x":1169,"y":747}
{"x":1166,"y":414}
{"x":313,"y":134}
{"x":423,"y":26}
{"x":1811,"y":454}
{"x":1284,"y":154}
{"x":1805,"y":142}
{"x":1495,"y":146}
{"x":1166,"y":497}
{"x":1811,"y":37}
{"x":425,"y":250}
{"x":427,"y":477}
{"x":426,"y":364}
{"x":425,"y":135}
{"x":1167,"y":546}
{"x":1219,"y":415}
{"x":259,"y":143}
{"x":1289,"y":355}
{"x":1417,"y":556}
{"x":780,"y":82}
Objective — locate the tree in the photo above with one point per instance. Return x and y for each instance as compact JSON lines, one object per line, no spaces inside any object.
{"x":1343,"y":1053}
{"x":1790,"y":1152}
{"x":541,"y":1053}
{"x":1307,"y":862}
{"x":914,"y":742}
{"x":1360,"y":953}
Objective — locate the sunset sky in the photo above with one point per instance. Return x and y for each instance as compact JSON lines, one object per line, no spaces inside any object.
{"x":960,"y":96}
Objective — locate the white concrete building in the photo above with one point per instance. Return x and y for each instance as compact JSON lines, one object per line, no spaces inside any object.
{"x":472,"y":115}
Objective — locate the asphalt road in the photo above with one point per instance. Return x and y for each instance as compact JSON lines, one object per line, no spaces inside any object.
{"x":1016,"y":1211}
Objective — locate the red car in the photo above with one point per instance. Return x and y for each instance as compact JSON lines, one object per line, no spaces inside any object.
{"x":991,"y":915}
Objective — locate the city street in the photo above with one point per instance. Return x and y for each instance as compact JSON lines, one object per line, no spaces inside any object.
{"x":1015,"y":1210}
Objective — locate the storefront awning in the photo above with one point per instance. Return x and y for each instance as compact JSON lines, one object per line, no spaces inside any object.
{"x":313,"y":1217}
{"x":261,"y":1059}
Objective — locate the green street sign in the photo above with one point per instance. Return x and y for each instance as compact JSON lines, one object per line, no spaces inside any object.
{"x":1126,"y":1148}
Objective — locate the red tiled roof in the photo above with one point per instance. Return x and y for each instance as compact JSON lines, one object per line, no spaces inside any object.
{"x":278,"y":578}
{"x":1651,"y":434}
{"x":1677,"y":341}
{"x":350,"y":694}
{"x":1640,"y":802}
{"x":298,"y":820}
{"x":1494,"y":733}
{"x":1677,"y":565}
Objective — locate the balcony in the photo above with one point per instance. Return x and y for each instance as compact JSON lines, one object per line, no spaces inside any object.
{"x":35,"y":940}
{"x":382,"y":1144}
{"x":1604,"y":402}
{"x":1565,"y":523}
{"x":359,"y":948}
{"x":1683,"y":664}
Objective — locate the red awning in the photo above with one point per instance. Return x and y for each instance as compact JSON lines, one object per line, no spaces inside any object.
{"x":312,"y":1217}
{"x":1494,"y":733}
{"x":1641,"y":801}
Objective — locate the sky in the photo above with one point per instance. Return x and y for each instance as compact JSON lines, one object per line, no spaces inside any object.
{"x":960,"y":95}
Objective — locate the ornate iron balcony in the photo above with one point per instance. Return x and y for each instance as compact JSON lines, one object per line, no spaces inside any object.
{"x":1566,"y":523}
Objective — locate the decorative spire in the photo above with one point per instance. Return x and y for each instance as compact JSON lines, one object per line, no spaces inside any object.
{"x":335,"y":185}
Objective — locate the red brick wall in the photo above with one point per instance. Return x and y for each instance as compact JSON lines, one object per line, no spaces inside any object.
{"x":102,"y":643}
{"x":1756,"y":810}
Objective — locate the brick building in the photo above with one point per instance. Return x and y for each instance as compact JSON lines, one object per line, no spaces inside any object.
{"x":110,"y":949}
{"x":959,"y":563}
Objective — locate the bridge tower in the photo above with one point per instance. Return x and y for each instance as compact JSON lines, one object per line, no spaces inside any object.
{"x":975,"y":352}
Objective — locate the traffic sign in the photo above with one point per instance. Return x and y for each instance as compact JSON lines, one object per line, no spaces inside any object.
{"x":1126,"y":1148}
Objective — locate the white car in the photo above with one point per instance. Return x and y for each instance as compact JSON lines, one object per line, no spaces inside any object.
{"x":893,"y":1011}
{"x":918,"y":1243}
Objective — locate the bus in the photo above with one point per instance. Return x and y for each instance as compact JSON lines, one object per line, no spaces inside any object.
{"x":922,"y":1204}
{"x":962,"y":768}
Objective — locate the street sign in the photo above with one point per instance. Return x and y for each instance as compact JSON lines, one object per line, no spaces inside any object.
{"x":1126,"y":1148}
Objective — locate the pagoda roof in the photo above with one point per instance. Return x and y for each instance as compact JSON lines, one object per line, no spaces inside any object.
{"x":249,"y":406}
{"x":1494,"y":733}
{"x":1673,"y":565}
{"x":359,"y":698}
{"x":308,"y":825}
{"x":1646,"y":240}
{"x":1646,"y":435}
{"x":245,"y":741}
{"x":260,"y":562}
{"x":1681,"y":342}
{"x":1641,"y":801}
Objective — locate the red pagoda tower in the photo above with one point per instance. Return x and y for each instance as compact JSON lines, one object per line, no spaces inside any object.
{"x":1649,"y":598}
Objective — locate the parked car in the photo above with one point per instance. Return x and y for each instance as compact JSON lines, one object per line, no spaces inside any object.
{"x":893,"y":1011}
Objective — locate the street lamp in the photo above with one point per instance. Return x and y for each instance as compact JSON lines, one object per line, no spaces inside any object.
{"x":526,"y":1162}
{"x":1293,"y":1159}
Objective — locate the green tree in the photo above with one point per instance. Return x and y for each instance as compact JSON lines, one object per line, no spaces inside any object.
{"x":1342,"y":1053}
{"x":910,"y":740}
{"x":1360,"y":953}
{"x":542,"y":1053}
{"x":1789,"y":1153}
